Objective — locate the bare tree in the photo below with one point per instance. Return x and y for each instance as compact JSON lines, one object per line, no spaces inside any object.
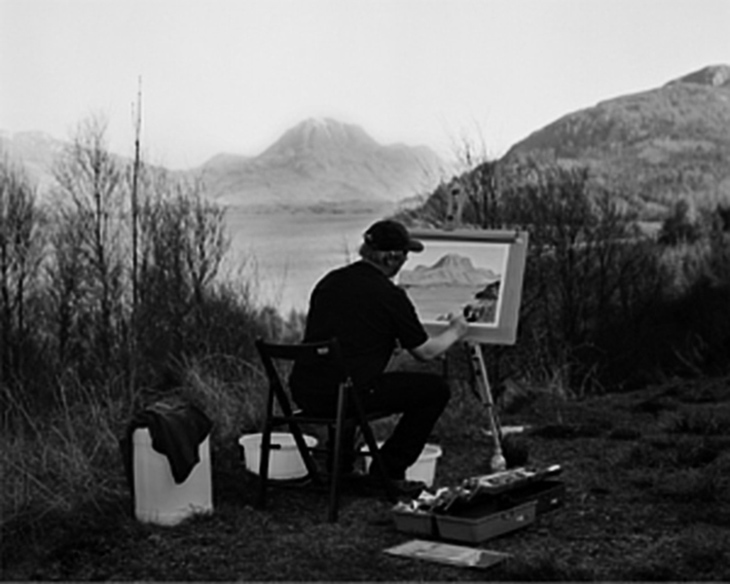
{"x":92,"y":192}
{"x":67,"y":288}
{"x":21,"y":248}
{"x":206,"y":241}
{"x":182,"y":243}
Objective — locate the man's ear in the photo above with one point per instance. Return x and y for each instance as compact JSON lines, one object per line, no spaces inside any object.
{"x":393,"y":259}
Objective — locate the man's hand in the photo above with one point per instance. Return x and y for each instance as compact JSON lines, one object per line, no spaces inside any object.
{"x":459,"y":325}
{"x":435,"y":346}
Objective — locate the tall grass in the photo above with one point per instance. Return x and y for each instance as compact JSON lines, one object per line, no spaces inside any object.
{"x":69,"y":457}
{"x":65,"y":458}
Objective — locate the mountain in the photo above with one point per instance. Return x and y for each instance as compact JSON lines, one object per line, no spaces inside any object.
{"x":323,"y":161}
{"x":451,"y":269}
{"x":35,"y":151}
{"x":656,"y":146}
{"x":317,"y":161}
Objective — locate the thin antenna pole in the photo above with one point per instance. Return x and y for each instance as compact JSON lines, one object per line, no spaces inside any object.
{"x":133,"y":337}
{"x":135,"y":180}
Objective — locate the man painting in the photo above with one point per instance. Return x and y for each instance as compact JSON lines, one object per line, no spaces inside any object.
{"x":370,"y":315}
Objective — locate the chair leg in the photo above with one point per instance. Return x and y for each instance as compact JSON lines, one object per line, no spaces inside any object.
{"x":378,"y":463}
{"x":377,"y":459}
{"x":264,"y":465}
{"x":330,"y":454}
{"x":337,"y":462}
{"x":306,"y":455}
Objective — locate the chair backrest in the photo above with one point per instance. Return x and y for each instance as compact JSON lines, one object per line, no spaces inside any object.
{"x":274,"y":355}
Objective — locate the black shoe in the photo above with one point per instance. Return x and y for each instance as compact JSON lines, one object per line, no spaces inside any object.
{"x":347,"y":466}
{"x":406,"y":488}
{"x":402,"y":487}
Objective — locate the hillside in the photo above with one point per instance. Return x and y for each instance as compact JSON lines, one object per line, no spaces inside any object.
{"x":36,"y":152}
{"x":656,"y":146}
{"x":323,"y":161}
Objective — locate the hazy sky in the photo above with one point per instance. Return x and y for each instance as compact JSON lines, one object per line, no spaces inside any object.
{"x":232,"y":75}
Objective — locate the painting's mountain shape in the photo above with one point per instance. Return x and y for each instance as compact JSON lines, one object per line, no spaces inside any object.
{"x":323,"y":160}
{"x":655,"y":146}
{"x":450,"y":270}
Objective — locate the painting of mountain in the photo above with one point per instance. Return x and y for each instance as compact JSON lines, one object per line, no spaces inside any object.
{"x":455,"y":277}
{"x":450,"y":270}
{"x":451,"y":282}
{"x":474,"y":273}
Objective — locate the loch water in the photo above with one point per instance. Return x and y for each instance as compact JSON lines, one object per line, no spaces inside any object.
{"x":285,"y":251}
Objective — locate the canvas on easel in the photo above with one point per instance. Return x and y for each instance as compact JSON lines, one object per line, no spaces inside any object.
{"x":475,"y":272}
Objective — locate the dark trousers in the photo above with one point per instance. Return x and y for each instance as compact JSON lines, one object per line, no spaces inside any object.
{"x":420,"y":398}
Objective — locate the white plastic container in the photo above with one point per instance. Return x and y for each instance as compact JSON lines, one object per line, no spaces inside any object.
{"x":424,"y":469}
{"x":158,"y":498}
{"x":285,"y":462}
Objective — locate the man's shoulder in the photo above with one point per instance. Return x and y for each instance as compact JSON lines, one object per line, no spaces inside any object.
{"x":337,"y":274}
{"x":337,"y":278}
{"x":360,"y":278}
{"x":356,"y":270}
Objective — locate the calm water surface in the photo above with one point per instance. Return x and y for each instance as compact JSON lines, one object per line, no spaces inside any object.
{"x":286,"y":251}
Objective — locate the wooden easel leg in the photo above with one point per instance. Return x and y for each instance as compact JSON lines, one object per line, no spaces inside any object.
{"x":498,"y":462}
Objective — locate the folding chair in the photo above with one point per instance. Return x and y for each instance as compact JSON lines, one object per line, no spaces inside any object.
{"x":280,"y":412}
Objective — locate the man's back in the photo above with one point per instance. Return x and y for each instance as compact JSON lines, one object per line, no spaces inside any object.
{"x":367,"y":313}
{"x":361,"y":307}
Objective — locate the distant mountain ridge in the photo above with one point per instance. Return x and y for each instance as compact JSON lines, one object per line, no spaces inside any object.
{"x":323,"y":160}
{"x":655,"y":146}
{"x":317,"y":161}
{"x":652,"y":148}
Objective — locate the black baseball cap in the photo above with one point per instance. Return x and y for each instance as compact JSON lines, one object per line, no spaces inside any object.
{"x":388,"y":235}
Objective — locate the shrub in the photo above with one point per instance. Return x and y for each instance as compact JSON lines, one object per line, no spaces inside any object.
{"x":713,"y":421}
{"x":704,"y":484}
{"x":604,"y":306}
{"x":678,"y":227}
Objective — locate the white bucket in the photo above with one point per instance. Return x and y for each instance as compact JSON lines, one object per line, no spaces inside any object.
{"x":285,"y":462}
{"x":157,"y":497}
{"x":424,"y":469}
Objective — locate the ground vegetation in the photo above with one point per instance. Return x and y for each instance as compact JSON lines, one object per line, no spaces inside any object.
{"x":621,"y":375}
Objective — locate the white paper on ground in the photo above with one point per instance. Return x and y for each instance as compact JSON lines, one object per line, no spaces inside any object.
{"x":456,"y":555}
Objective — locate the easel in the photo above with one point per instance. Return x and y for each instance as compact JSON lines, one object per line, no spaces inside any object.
{"x":455,"y":207}
{"x":484,"y":393}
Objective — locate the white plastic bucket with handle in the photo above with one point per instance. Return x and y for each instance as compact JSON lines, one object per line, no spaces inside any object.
{"x":285,"y":462}
{"x":423,"y":470}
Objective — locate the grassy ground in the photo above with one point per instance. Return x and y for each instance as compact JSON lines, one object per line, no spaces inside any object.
{"x":647,"y":476}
